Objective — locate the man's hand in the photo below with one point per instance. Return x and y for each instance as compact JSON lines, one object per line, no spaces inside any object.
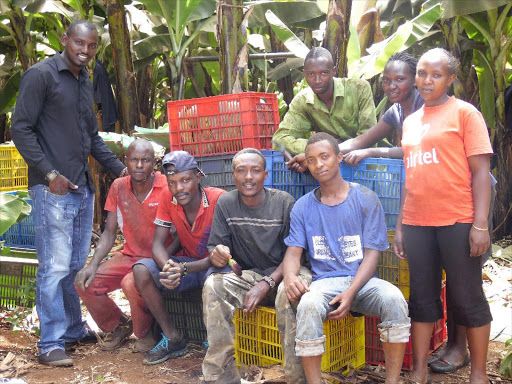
{"x":85,"y":276}
{"x":124,"y":172}
{"x":353,"y":158}
{"x":298,"y":163}
{"x":398,"y":245}
{"x":295,"y":287}
{"x":255,"y":295}
{"x":171,"y":274}
{"x":61,"y":185}
{"x":220,"y":256}
{"x":345,"y":301}
{"x":478,"y":241}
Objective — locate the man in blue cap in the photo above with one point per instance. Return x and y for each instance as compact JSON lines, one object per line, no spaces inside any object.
{"x":187,"y":208}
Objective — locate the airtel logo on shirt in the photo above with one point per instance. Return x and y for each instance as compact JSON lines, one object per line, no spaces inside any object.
{"x":421,"y":158}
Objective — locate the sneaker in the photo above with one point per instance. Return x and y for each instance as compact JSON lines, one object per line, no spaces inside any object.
{"x":56,"y":357}
{"x":165,"y":349}
{"x":114,"y":340}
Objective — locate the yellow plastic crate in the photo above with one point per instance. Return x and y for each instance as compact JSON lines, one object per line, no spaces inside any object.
{"x":13,"y":169}
{"x":258,"y":342}
{"x":344,"y":344}
{"x":395,"y":270}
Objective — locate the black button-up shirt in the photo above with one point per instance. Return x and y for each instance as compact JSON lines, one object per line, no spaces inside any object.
{"x":54,"y":125}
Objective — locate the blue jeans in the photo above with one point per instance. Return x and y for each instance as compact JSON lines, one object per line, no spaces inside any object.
{"x":63,"y":239}
{"x":376,"y":298}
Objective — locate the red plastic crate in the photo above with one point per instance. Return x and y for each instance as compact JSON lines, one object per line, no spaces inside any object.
{"x":373,"y":346}
{"x":223,"y":124}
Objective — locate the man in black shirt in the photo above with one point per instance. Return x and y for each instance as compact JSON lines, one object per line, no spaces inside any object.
{"x":54,"y":128}
{"x":249,"y":226}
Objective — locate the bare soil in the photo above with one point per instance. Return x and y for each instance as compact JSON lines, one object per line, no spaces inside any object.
{"x":94,"y":365}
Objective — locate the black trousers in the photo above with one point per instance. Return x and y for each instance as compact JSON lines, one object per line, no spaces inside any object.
{"x":429,"y":250}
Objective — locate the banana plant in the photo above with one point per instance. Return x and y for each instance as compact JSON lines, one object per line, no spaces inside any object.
{"x":493,"y":27}
{"x":172,"y":37}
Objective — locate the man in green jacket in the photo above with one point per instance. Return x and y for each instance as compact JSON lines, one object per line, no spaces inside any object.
{"x":341,"y":107}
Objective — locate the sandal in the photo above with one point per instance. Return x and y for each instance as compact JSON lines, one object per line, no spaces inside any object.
{"x":444,"y":366}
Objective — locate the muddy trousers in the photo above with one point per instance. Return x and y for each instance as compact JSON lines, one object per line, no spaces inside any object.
{"x":223,"y":293}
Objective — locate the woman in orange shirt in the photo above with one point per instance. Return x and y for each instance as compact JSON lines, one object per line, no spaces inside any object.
{"x":443,"y":220}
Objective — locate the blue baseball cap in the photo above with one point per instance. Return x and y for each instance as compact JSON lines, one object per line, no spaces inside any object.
{"x":181,"y":160}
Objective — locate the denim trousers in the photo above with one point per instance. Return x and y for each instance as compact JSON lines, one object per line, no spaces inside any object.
{"x":63,"y":239}
{"x":376,"y":298}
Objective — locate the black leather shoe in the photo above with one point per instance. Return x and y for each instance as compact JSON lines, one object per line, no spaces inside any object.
{"x":89,"y":338}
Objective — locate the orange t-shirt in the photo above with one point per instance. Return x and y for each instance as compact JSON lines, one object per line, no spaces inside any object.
{"x":437,"y":142}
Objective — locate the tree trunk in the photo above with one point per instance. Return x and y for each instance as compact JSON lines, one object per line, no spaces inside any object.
{"x":337,"y":33}
{"x":24,"y":45}
{"x":144,"y":82}
{"x":285,"y":84}
{"x":126,"y":89}
{"x":233,"y":53}
{"x":503,"y":205}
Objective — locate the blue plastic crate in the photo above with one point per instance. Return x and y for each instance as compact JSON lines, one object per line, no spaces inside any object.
{"x":219,"y":168}
{"x":279,"y":177}
{"x":383,"y":176}
{"x":22,"y":234}
{"x":386,"y":178}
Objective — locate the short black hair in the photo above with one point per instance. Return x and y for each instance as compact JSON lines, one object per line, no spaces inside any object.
{"x":86,"y":23}
{"x":406,"y":58}
{"x":321,"y":136}
{"x":319,"y":52}
{"x":451,"y":61}
{"x":253,"y":151}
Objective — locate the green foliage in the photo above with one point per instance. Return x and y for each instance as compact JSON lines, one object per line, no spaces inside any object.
{"x":289,"y":39}
{"x":506,"y":363}
{"x":405,"y":36}
{"x":12,"y":209}
{"x":16,"y":316}
{"x":9,"y":91}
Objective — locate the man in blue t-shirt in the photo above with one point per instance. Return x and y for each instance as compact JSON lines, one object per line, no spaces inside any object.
{"x":342,"y":226}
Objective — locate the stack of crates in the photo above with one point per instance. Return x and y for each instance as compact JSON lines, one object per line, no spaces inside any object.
{"x":258,"y":341}
{"x":396,"y":271}
{"x":187,"y":313}
{"x":213,"y":130}
{"x":14,"y":177}
{"x":13,"y":169}
{"x":373,"y":346}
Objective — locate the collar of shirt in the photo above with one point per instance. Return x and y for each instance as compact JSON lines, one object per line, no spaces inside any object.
{"x":63,"y":66}
{"x":158,"y":182}
{"x":181,"y":213}
{"x":339,"y":91}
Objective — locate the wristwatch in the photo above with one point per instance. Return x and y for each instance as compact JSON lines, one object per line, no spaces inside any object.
{"x":52,"y":175}
{"x":270,"y":281}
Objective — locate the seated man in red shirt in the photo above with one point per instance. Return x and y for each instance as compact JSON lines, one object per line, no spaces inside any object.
{"x":132,"y":204}
{"x":189,"y":208}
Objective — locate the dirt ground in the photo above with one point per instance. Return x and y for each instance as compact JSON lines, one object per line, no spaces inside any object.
{"x":93,"y":365}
